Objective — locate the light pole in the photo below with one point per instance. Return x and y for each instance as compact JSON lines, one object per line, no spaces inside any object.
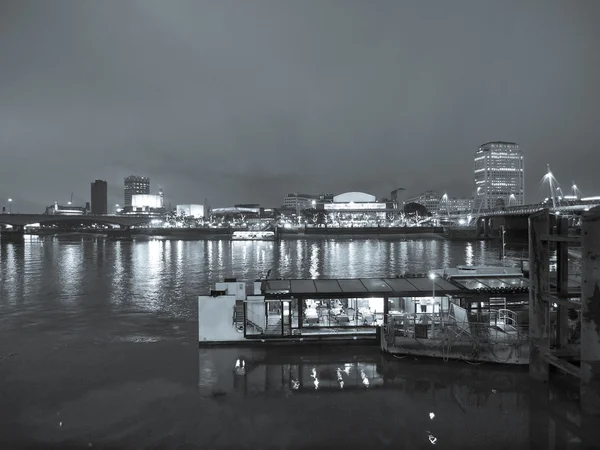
{"x":432,"y":278}
{"x":9,"y":205}
{"x":503,"y":255}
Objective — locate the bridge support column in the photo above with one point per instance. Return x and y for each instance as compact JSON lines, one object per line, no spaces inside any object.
{"x":590,"y":312}
{"x":16,"y":233}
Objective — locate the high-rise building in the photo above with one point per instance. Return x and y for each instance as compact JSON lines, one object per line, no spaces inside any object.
{"x":99,"y":197}
{"x":135,"y":185}
{"x":499,"y":176}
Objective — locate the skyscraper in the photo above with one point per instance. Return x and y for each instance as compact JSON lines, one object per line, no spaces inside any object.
{"x":135,"y":185}
{"x":499,"y":176}
{"x":99,"y":197}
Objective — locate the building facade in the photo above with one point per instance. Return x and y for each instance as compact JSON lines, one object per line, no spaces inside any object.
{"x":300,"y":202}
{"x":99,"y":197}
{"x":65,"y":210}
{"x":195,"y":211}
{"x":135,"y":185}
{"x":455,"y":206}
{"x":499,"y":176}
{"x":429,"y":200}
{"x":356,"y":208}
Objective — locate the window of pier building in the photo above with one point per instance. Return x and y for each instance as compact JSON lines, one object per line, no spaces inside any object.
{"x":345,"y":312}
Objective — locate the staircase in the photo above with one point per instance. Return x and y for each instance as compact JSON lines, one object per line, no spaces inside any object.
{"x":238,"y":313}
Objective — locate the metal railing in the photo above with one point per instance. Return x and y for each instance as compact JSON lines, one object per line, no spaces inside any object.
{"x":500,"y":326}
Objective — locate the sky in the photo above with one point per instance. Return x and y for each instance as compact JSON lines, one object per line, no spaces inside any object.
{"x":243,"y":101}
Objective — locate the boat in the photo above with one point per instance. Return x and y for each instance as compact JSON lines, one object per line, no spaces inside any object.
{"x":253,"y":236}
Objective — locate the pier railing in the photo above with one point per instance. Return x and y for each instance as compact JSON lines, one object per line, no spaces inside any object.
{"x":499,"y":326}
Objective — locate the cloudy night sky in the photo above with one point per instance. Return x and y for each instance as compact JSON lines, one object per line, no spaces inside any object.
{"x":243,"y":101}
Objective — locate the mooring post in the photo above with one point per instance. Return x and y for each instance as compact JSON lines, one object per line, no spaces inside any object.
{"x":590,"y":312}
{"x":562,"y":282}
{"x":539,"y":266}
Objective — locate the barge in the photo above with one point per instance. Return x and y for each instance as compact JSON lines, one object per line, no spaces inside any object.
{"x":253,"y":236}
{"x":475,"y":315}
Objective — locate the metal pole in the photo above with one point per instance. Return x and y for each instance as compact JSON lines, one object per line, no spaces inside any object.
{"x":549,"y":175}
{"x":503,"y":244}
{"x":590,"y":312}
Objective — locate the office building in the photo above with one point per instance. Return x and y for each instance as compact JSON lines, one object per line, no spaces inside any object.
{"x":429,"y":200}
{"x":499,"y":176}
{"x":459,"y":205}
{"x":135,"y":185}
{"x":300,"y":202}
{"x":99,"y":197}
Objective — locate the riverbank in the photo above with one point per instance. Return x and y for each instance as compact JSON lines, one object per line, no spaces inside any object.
{"x":226,"y":233}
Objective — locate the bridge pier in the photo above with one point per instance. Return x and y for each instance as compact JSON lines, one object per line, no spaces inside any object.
{"x":14,"y":234}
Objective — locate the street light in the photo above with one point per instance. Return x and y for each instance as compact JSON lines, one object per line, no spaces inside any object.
{"x":9,"y":205}
{"x":432,"y":278}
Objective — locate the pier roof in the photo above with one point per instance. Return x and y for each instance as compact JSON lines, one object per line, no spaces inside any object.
{"x":360,"y":287}
{"x":483,"y":282}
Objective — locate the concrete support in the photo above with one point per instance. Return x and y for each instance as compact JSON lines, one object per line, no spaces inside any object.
{"x":562,"y":282}
{"x":590,"y":312}
{"x":539,"y":343}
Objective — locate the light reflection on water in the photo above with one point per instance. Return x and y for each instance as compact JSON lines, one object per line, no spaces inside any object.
{"x":451,"y":405}
{"x":164,"y":277}
{"x":469,"y":254}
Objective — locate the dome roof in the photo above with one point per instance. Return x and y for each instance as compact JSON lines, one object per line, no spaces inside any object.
{"x":356,"y":197}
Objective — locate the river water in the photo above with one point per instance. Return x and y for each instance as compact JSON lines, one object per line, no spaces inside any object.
{"x":92,"y":278}
{"x":98,"y":348}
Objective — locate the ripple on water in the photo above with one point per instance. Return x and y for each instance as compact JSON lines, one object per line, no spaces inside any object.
{"x":92,"y":281}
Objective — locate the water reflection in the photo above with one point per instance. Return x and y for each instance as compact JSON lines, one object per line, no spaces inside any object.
{"x":314,"y":260}
{"x":452,"y":405}
{"x":164,"y":277}
{"x":70,"y":272}
{"x":469,"y":254}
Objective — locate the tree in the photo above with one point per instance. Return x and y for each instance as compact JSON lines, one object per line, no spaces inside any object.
{"x":416,"y":209}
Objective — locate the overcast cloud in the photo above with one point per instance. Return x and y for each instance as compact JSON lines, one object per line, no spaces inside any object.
{"x":242,"y":101}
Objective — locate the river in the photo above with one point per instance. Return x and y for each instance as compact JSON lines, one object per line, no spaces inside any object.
{"x":98,"y":348}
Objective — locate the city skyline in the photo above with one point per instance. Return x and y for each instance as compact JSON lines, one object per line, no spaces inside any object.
{"x":242,"y":108}
{"x":140,"y":186}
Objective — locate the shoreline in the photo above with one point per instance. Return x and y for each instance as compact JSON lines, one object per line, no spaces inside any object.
{"x":290,"y":237}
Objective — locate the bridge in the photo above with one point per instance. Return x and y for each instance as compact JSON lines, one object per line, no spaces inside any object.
{"x":19,"y":221}
{"x":513,"y":217}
